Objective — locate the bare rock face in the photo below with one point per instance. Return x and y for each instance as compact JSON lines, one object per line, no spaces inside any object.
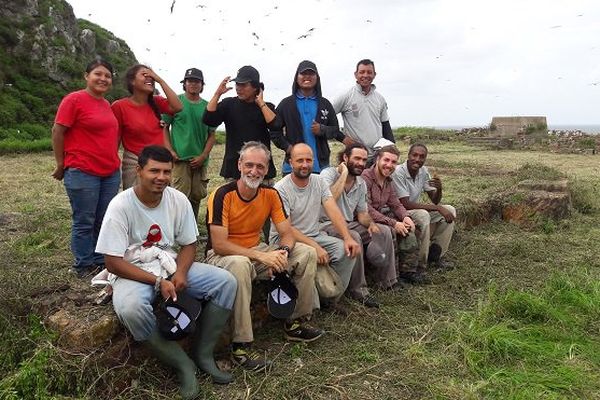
{"x":84,"y":331}
{"x":531,"y":204}
{"x":525,"y":204}
{"x":88,"y":40}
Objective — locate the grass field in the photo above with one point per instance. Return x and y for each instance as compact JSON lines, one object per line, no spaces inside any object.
{"x":518,"y":318}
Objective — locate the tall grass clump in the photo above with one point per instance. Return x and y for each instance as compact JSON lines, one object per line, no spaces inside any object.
{"x":543,"y":344}
{"x":537,"y":171}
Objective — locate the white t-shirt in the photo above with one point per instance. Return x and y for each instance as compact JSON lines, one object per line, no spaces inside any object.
{"x":128,"y":225}
{"x":302,"y":204}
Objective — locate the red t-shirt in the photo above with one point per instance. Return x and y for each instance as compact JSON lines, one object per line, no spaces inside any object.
{"x":138,"y":125}
{"x":92,"y":140}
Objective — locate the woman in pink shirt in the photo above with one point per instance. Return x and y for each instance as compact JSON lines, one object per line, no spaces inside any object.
{"x":139,"y":116}
{"x":85,"y":139}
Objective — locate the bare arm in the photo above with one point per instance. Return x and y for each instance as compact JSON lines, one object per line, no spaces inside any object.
{"x":221,"y":89}
{"x":351,"y":247}
{"x":197,"y":161}
{"x":168,"y":145}
{"x":267,"y":113}
{"x":337,"y":187}
{"x":412,"y":205}
{"x":185,"y":258}
{"x":124,"y":269}
{"x":175,"y":104}
{"x":58,"y":146}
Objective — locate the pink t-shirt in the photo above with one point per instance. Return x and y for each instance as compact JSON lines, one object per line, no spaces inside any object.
{"x":92,"y":138}
{"x":138,"y":125}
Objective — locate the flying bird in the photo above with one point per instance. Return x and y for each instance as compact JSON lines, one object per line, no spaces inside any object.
{"x":200,"y":6}
{"x":556,"y":26}
{"x":173,"y":6}
{"x":255,"y":35}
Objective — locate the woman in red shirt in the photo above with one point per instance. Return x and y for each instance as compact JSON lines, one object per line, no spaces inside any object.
{"x":139,"y":116}
{"x":85,"y":139}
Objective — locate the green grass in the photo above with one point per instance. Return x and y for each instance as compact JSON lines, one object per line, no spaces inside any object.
{"x":517,"y":319}
{"x":530,"y":345}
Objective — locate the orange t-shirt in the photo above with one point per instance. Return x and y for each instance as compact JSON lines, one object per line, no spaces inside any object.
{"x":243,"y":219}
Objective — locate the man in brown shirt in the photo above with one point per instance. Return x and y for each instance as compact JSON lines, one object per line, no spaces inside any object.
{"x":385,"y":208}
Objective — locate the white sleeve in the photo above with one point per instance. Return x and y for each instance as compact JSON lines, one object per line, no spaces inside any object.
{"x":187,"y":229}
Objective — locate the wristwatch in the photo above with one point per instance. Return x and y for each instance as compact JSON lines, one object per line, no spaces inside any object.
{"x":286,"y":248}
{"x":157,"y":284}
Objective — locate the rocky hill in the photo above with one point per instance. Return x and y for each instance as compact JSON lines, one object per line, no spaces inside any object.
{"x":43,"y":53}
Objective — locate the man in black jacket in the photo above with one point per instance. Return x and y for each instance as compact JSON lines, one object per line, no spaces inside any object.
{"x":247,"y":118}
{"x":307,"y":117}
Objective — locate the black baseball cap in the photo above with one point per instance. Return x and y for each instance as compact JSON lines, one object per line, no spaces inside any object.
{"x":282,"y":296}
{"x":247,"y":74}
{"x":177,"y":319}
{"x":193,"y":73}
{"x":307,"y":65}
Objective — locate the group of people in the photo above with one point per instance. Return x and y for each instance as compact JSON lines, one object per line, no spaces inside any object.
{"x":363,"y":218}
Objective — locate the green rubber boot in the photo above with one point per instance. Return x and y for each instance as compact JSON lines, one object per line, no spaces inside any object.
{"x":170,"y":353}
{"x":208,"y":328}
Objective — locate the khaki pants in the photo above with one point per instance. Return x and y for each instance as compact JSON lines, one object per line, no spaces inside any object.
{"x":302,"y":266}
{"x":193,"y":182}
{"x":128,"y":170}
{"x":433,"y":228}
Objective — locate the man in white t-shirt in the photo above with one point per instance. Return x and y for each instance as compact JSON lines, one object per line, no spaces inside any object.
{"x":140,"y":233}
{"x":434,"y":221}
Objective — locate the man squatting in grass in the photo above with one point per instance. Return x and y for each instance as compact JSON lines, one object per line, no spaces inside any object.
{"x":152,"y":215}
{"x":435,"y":222}
{"x":235,"y":214}
{"x":303,"y":194}
{"x":350,"y":192}
{"x":190,"y":141}
{"x":385,"y":208}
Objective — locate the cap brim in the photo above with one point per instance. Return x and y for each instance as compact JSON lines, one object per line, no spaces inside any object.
{"x":307,"y":69}
{"x":241,"y":80}
{"x":278,"y":310}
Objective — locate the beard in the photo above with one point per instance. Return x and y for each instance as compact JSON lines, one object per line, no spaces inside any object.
{"x":252,"y":183}
{"x":301,"y":174}
{"x":355,"y":170}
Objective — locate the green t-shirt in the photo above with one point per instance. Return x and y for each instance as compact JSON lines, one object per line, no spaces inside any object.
{"x":188,"y":133}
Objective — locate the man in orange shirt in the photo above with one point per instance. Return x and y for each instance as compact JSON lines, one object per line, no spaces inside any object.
{"x":235,"y":216}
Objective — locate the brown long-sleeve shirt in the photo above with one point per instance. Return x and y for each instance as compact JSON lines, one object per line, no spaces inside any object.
{"x":381,"y":198}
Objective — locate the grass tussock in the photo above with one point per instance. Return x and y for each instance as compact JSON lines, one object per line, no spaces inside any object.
{"x":530,"y":345}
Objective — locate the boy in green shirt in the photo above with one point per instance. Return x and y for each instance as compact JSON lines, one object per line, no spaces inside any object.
{"x":190,"y":140}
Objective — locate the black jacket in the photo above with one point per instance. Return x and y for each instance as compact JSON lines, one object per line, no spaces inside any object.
{"x":292,"y":130}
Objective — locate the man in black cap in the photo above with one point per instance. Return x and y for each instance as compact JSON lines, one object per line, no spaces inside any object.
{"x":247,"y":118}
{"x":308,"y":117}
{"x":190,"y":140}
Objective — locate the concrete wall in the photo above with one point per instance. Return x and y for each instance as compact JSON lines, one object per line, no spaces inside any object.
{"x":510,"y":126}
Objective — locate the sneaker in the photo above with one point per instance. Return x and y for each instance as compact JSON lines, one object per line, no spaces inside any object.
{"x":297,"y":332}
{"x":369,"y":301}
{"x":414,"y":278}
{"x":248,"y":358}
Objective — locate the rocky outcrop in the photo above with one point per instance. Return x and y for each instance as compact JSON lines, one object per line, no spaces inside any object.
{"x":528,"y":203}
{"x":43,"y":53}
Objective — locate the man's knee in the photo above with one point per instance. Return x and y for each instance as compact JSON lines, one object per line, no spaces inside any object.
{"x":240,"y":267}
{"x":450,"y":208}
{"x":420,"y":217}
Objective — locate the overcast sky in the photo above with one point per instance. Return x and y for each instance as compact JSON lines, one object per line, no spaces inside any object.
{"x":438,"y":62}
